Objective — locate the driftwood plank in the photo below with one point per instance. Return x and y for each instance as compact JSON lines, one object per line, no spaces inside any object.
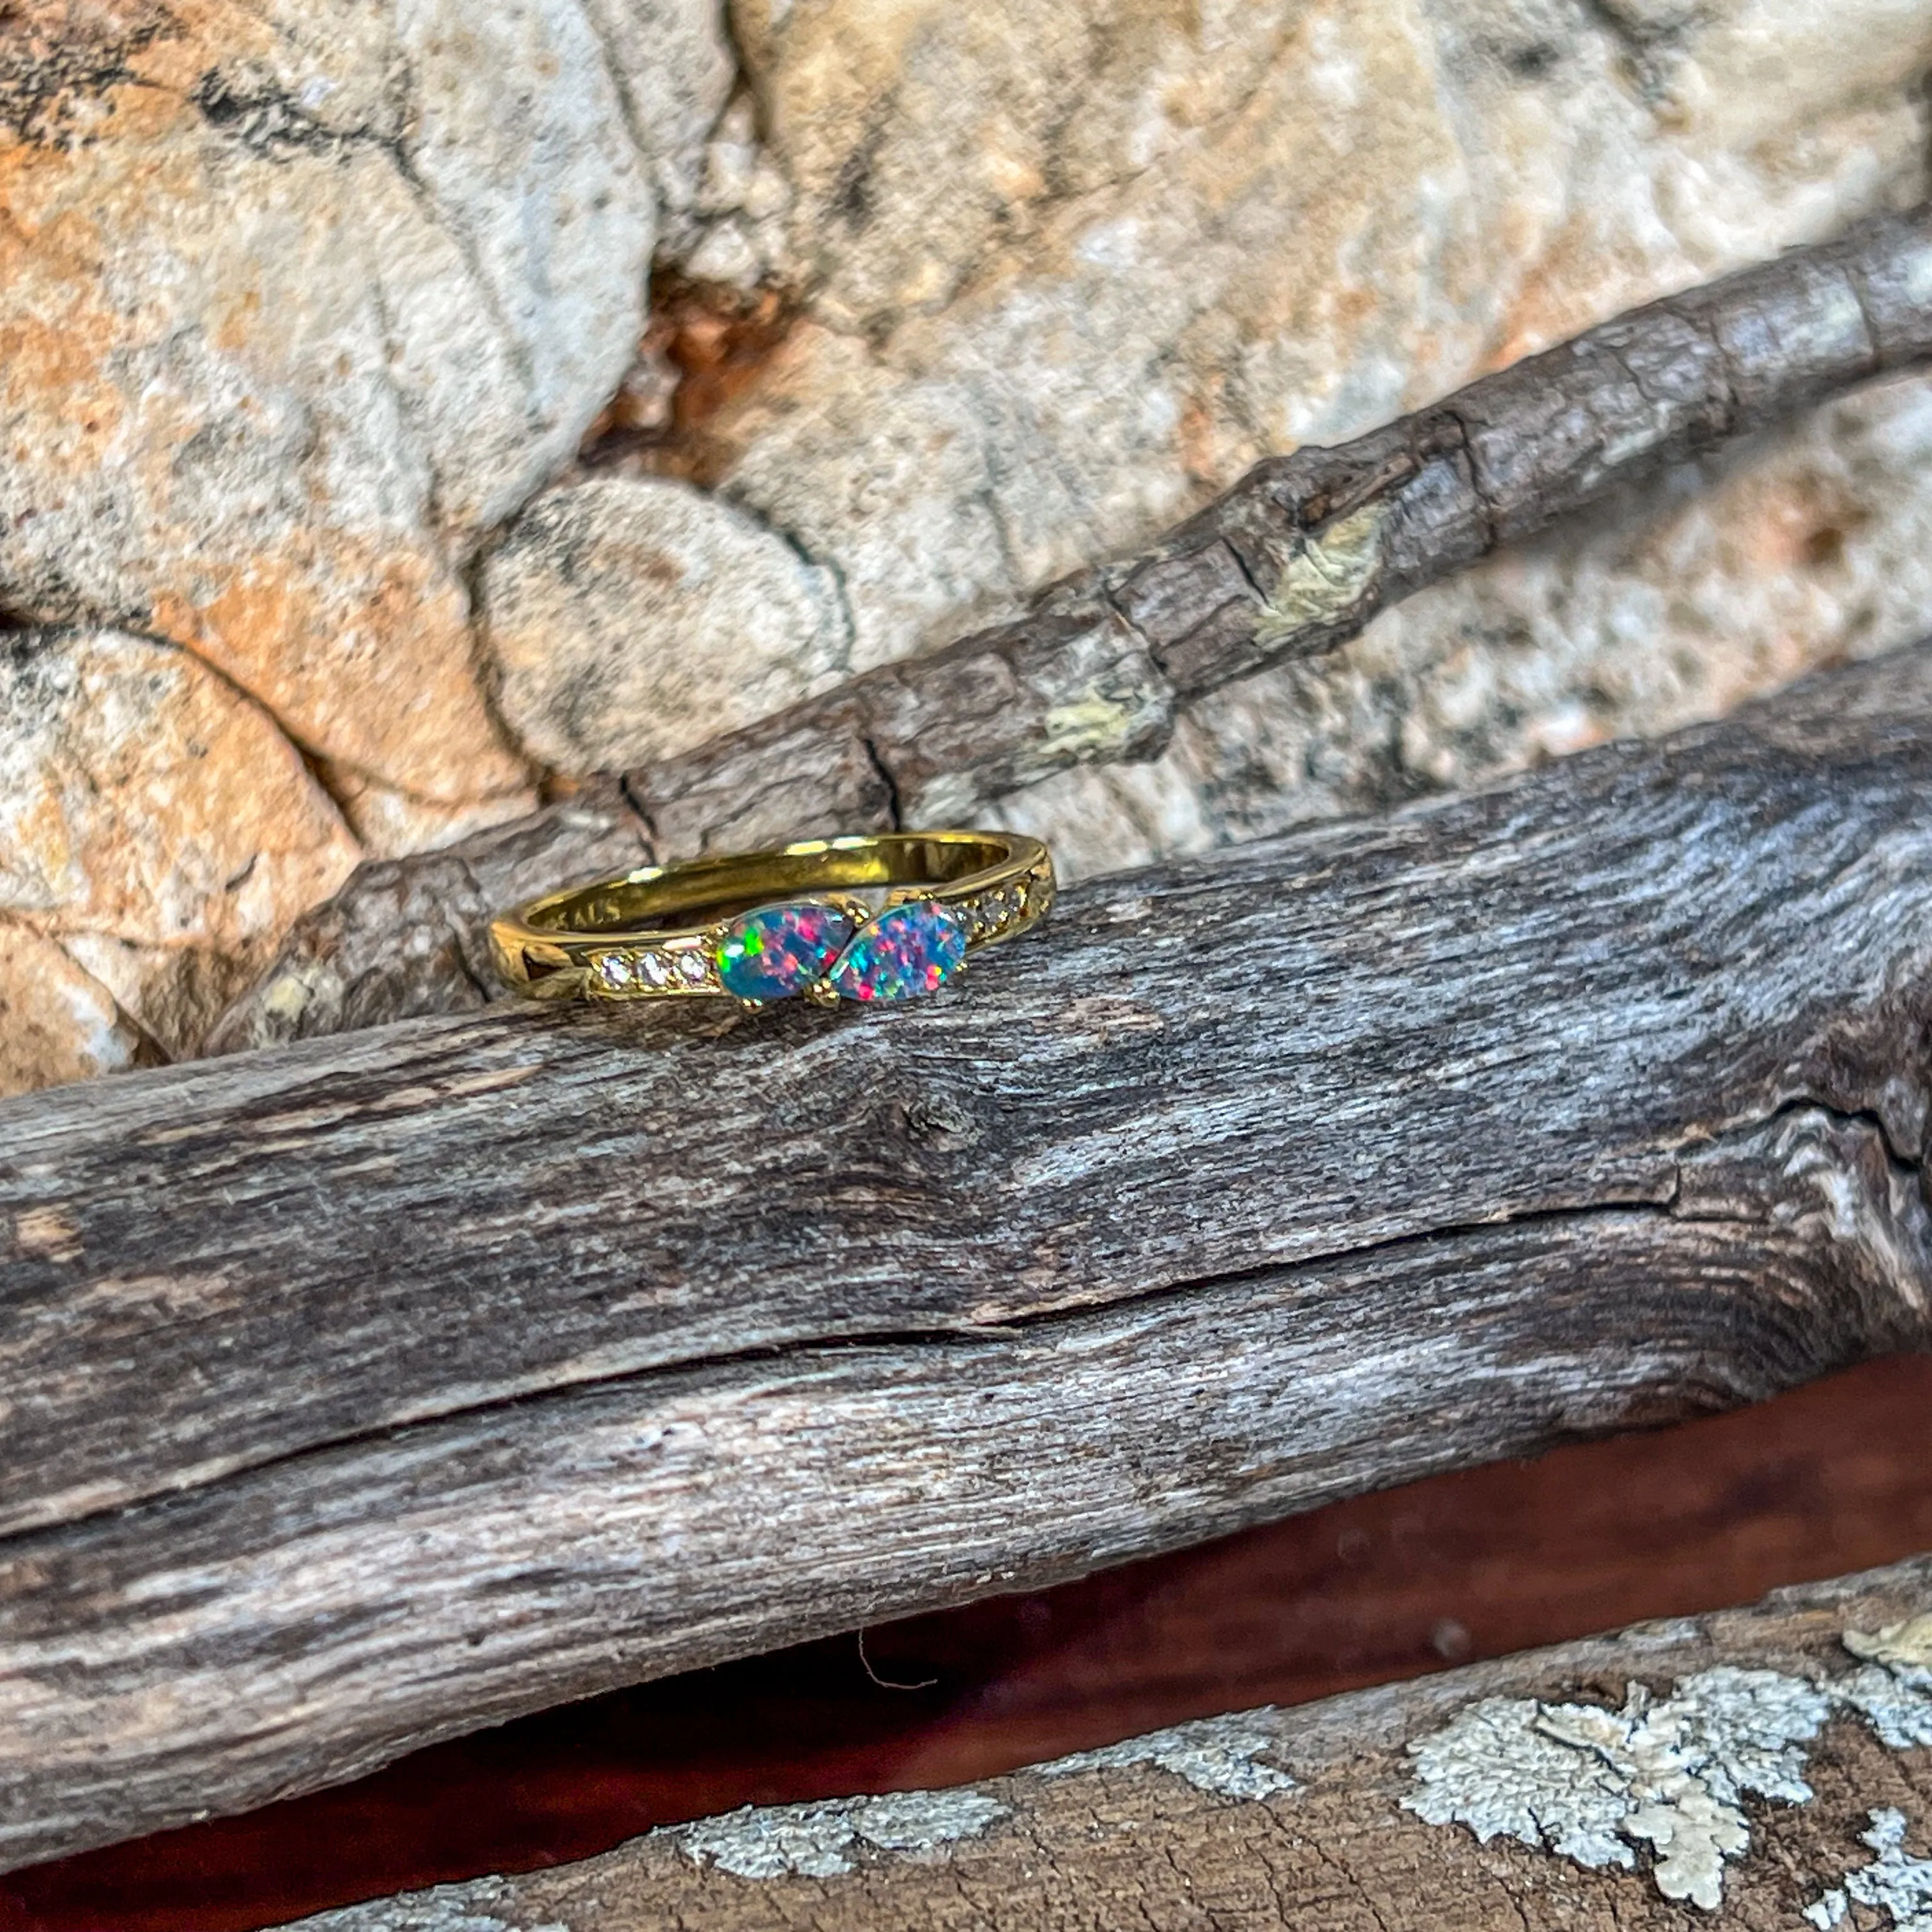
{"x":364,"y":1391}
{"x":1302,"y":1818}
{"x":1294,"y":560}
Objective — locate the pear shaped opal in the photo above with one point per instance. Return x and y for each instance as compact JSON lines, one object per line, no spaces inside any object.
{"x":907,"y":950}
{"x":775,"y":951}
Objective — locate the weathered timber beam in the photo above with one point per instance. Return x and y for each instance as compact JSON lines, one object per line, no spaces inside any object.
{"x":1293,"y":560}
{"x":1773,"y":1767}
{"x":366,"y":1390}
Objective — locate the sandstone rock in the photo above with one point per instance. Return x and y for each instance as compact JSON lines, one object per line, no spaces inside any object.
{"x":745,"y":196}
{"x":56,"y":1022}
{"x":155,"y":829}
{"x":1073,"y":267}
{"x":630,"y":620}
{"x":297,"y":300}
{"x":1728,"y":580}
{"x":388,"y":823}
{"x":300,"y":304}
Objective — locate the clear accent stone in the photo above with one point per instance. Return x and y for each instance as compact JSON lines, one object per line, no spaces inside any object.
{"x":653,"y":969}
{"x":614,"y":969}
{"x":691,"y":969}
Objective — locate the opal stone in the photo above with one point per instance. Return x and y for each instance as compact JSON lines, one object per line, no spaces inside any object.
{"x":905,"y":951}
{"x":775,"y":951}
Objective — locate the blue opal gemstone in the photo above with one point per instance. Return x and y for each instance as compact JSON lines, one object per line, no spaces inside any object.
{"x":907,"y":950}
{"x":778,"y":950}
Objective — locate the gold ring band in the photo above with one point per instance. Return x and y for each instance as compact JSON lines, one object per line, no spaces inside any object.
{"x":880,"y":916}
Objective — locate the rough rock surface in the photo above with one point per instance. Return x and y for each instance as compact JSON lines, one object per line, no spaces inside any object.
{"x":156,"y":829}
{"x":56,"y":1022}
{"x":296,"y":301}
{"x":1074,"y":268}
{"x":304,"y":308}
{"x":631,"y":619}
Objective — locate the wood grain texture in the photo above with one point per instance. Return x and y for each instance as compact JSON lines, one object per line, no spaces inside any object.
{"x":1092,"y":1848}
{"x":1294,"y":560}
{"x":362,"y":1392}
{"x":1829,"y":1478}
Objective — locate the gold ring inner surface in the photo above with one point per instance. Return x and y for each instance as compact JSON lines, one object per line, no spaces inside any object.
{"x":696,"y":892}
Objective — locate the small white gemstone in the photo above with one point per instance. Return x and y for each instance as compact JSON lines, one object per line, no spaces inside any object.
{"x":652,"y":970}
{"x":614,"y":969}
{"x":691,"y":969}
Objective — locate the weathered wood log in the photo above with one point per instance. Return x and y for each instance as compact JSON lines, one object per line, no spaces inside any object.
{"x":1796,"y":1731}
{"x":367,"y":1390}
{"x":1294,"y":561}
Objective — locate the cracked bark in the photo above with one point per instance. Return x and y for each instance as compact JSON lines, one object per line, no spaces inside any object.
{"x":371,"y":1390}
{"x":1132,"y":1844}
{"x":1294,"y":561}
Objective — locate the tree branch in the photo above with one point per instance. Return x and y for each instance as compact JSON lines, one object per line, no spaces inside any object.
{"x":1293,"y":561}
{"x":365,"y":1391}
{"x":1306,"y":1817}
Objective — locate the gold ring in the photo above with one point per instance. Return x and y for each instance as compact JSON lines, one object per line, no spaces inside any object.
{"x":883,"y":916}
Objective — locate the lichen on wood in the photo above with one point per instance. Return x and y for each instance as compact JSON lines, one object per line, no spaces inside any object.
{"x":1751,"y":1734}
{"x":1588,"y":1784}
{"x":820,"y":1840}
{"x":1673,"y":1772}
{"x":1895,"y":1882}
{"x":1229,"y":1755}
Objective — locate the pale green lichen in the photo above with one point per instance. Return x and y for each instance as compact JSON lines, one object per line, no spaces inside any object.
{"x":1327,"y":576}
{"x":1894,"y":1882}
{"x":1222,"y":1755}
{"x":1893,"y":1691}
{"x":443,"y":1908}
{"x":1090,"y":730}
{"x":1588,"y":1782}
{"x":1905,"y":1647}
{"x":820,"y":1840}
{"x":289,"y":994}
{"x":1499,"y":1768}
